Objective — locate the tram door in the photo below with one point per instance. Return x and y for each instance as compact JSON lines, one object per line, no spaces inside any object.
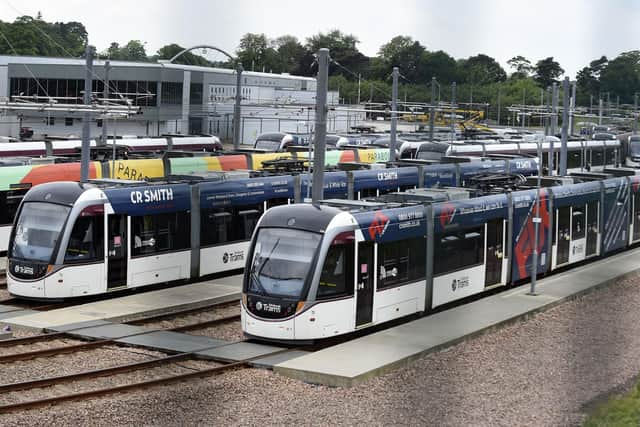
{"x":592,"y":228}
{"x":636,"y":217}
{"x":563,"y":233}
{"x":495,"y":252}
{"x":116,"y":251}
{"x":364,"y":286}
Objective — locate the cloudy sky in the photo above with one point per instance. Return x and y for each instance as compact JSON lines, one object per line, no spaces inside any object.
{"x":574,"y":32}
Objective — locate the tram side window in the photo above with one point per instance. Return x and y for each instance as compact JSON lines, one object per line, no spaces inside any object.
{"x":574,"y":159}
{"x":458,"y":250}
{"x":597,"y":157}
{"x":402,"y":261}
{"x":368,"y":192}
{"x":86,"y":240}
{"x":160,"y":233}
{"x":277,"y":202}
{"x":224,"y":225}
{"x":9,"y":204}
{"x":336,"y":279}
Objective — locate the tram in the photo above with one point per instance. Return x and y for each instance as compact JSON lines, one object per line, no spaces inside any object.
{"x":70,"y":147}
{"x":318,"y":271}
{"x":71,"y":239}
{"x":581,"y":155}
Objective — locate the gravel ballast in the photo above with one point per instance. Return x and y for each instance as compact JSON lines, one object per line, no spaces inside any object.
{"x":548,"y":370}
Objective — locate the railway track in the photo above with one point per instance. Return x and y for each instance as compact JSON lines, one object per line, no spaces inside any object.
{"x":86,"y":375}
{"x":55,"y":351}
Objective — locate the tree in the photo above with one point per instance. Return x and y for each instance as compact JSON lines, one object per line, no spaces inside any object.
{"x":439,"y":65}
{"x":254,"y":53}
{"x":406,"y":54}
{"x":621,"y":76}
{"x":522,"y":67}
{"x":290,"y":53}
{"x":29,"y":36}
{"x":480,"y":70}
{"x":133,"y":51}
{"x":547,"y":72}
{"x":343,"y":50}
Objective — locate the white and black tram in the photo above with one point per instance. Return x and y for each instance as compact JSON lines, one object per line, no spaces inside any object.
{"x":71,"y":239}
{"x":315,"y":272}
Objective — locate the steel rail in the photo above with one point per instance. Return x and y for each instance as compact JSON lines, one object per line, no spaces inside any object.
{"x":133,"y":386}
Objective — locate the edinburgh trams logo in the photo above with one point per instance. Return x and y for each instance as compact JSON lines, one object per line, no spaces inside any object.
{"x":20,"y":269}
{"x":271,"y":308}
{"x":233,"y":256}
{"x":459,"y":283}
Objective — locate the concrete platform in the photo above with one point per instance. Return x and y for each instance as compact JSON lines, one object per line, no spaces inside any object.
{"x":173,"y":342}
{"x":132,"y":307}
{"x":356,"y":361}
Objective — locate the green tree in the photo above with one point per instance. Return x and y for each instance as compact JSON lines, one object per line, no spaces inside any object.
{"x":438,"y":64}
{"x":547,"y":72}
{"x":406,"y":54}
{"x":522,"y":67}
{"x":133,"y":51}
{"x":290,"y":53}
{"x":480,"y":70}
{"x":342,"y":49}
{"x":252,"y":51}
{"x":621,"y":76}
{"x":29,"y":36}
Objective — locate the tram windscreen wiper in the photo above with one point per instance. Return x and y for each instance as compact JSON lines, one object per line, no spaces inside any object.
{"x":256,"y":280}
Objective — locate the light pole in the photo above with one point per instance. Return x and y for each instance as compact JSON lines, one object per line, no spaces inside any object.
{"x":536,"y":225}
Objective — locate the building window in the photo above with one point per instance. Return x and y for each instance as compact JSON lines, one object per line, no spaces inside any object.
{"x":68,"y":121}
{"x":50,"y":121}
{"x":195,"y":94}
{"x":171,"y":93}
{"x":141,"y":93}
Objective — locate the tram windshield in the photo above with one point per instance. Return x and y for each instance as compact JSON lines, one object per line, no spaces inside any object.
{"x":634,"y":147}
{"x":282,"y":260}
{"x":37,"y":231}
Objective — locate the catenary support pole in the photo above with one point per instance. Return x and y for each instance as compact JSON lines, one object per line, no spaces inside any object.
{"x":86,"y":119}
{"x":453,"y":111}
{"x":554,"y":127}
{"x":432,"y":110}
{"x":107,"y":67}
{"x":572,"y":107}
{"x":499,"y":107}
{"x":536,"y":226}
{"x":394,"y":114}
{"x":317,"y":189}
{"x":236,"y":107}
{"x":635,"y":113}
{"x":565,"y":126}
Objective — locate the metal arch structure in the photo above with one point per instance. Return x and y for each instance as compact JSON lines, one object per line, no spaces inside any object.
{"x":239,"y":70}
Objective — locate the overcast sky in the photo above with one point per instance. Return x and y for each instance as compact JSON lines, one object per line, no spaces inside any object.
{"x":574,"y":32}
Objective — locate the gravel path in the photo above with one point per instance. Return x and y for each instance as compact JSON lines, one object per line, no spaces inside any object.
{"x":539,"y":372}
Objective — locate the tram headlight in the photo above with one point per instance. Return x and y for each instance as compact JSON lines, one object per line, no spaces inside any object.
{"x":300,"y":306}
{"x":244,"y":300}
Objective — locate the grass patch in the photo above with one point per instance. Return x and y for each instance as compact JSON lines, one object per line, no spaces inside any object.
{"x":618,"y":411}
